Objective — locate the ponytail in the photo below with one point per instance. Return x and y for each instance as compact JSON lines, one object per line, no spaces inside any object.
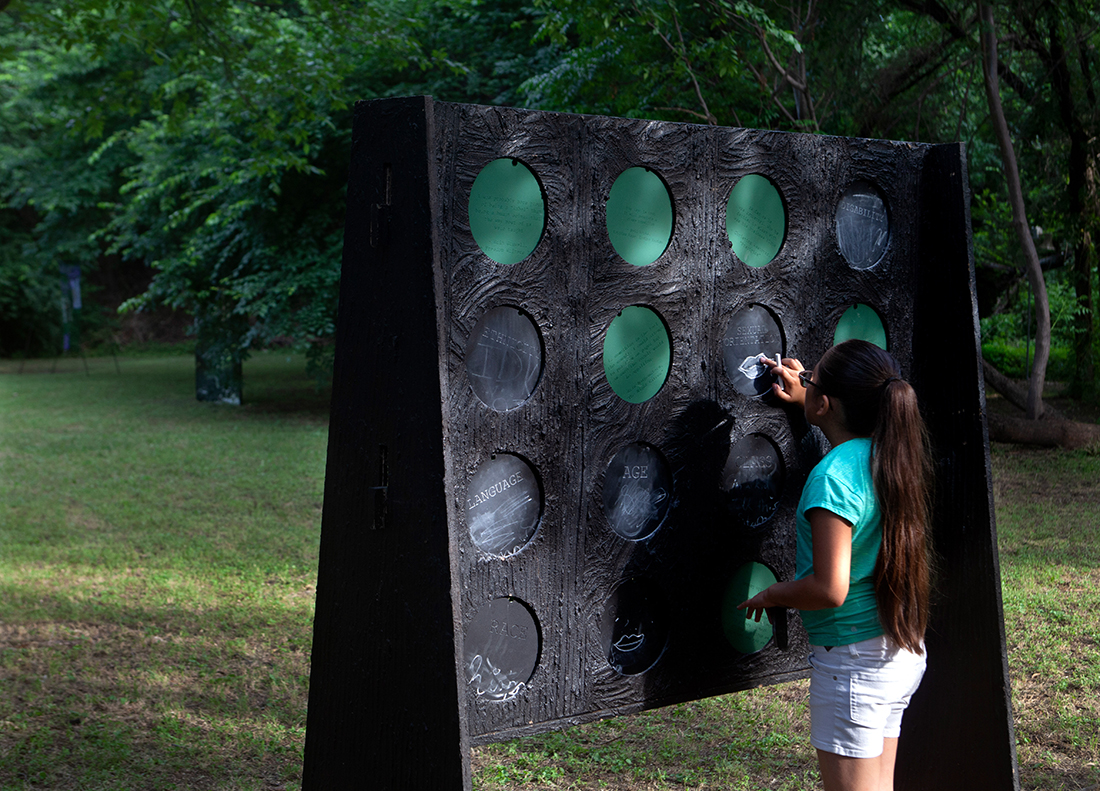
{"x":878,"y":403}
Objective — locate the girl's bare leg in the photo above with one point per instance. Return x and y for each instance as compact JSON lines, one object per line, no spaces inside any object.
{"x":840,"y":773}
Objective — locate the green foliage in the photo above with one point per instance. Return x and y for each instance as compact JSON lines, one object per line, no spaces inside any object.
{"x":28,"y":296}
{"x":1005,"y":335}
{"x":682,"y":61}
{"x":210,"y":140}
{"x":1014,"y":360}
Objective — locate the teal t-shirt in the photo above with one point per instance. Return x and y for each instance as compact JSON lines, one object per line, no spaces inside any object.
{"x":841,"y":483}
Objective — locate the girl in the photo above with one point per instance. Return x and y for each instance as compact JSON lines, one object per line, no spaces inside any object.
{"x":862,"y":562}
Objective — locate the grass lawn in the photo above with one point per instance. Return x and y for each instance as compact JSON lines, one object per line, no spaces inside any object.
{"x":157,"y":566}
{"x":157,"y":569}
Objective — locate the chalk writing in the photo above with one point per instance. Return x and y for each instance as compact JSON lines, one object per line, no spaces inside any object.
{"x":752,"y":335}
{"x":501,"y":649}
{"x":636,"y":491}
{"x":493,"y":682}
{"x":634,"y":626}
{"x":754,"y":479}
{"x":503,"y":505}
{"x":629,"y":642}
{"x":504,"y":358}
{"x":862,"y":226}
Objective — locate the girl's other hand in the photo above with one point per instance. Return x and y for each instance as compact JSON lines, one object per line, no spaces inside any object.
{"x":756,"y":606}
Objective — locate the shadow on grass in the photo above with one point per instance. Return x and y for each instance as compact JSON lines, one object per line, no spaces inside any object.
{"x":134,"y":698}
{"x":285,"y":402}
{"x":275,"y":383}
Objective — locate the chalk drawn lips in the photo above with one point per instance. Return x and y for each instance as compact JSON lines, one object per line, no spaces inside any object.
{"x":629,"y":642}
{"x":753,"y":368}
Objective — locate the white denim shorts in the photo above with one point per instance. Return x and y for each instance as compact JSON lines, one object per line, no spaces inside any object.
{"x":858,"y":693}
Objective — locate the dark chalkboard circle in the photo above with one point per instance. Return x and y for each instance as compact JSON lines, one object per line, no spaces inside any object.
{"x":503,"y":505}
{"x":634,"y":627}
{"x":862,"y":322}
{"x":756,"y":220}
{"x":752,"y":332}
{"x":639,"y":216}
{"x":504,"y":358}
{"x":507,"y":211}
{"x":637,"y":491}
{"x":862,"y":225}
{"x":754,"y":477}
{"x":637,"y":354}
{"x":744,"y":634}
{"x":501,"y":649}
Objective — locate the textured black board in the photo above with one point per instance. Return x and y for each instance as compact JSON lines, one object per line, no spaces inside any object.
{"x":434,"y":278}
{"x":958,"y":731}
{"x":383,"y":687}
{"x":547,"y":429}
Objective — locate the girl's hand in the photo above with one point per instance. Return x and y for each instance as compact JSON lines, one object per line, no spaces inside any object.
{"x":757,"y":606}
{"x":788,"y":389}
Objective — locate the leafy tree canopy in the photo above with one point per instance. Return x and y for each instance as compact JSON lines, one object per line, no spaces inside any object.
{"x":209,"y":138}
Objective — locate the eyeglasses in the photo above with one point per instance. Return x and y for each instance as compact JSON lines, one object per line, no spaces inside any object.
{"x":804,"y":378}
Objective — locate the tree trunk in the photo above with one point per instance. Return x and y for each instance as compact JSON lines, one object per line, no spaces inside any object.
{"x":1047,"y":433}
{"x":1012,"y":392}
{"x":1053,"y":431}
{"x":1084,"y":257}
{"x":1080,"y":198}
{"x":1019,"y":216}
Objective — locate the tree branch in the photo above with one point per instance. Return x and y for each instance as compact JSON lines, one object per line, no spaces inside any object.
{"x":774,"y":95}
{"x":708,"y":118}
{"x":1012,"y":392}
{"x":691,"y":72}
{"x":794,"y":83}
{"x":681,"y":53}
{"x":1019,"y":214}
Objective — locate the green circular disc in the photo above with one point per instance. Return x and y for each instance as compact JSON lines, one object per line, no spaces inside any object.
{"x":507,"y":211}
{"x":756,"y":221}
{"x":639,"y":216}
{"x":744,"y":634}
{"x":862,"y":322}
{"x":637,"y":354}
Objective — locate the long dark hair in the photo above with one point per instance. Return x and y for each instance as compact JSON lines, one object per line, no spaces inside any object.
{"x":877,"y":403}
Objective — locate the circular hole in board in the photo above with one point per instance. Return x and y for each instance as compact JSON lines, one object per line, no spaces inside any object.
{"x":862,"y":322}
{"x":639,"y":216}
{"x":753,"y":478}
{"x":504,"y":358}
{"x":862,"y":225}
{"x":634,"y":627}
{"x":752,"y":332}
{"x":637,"y":354}
{"x":507,"y":211}
{"x":501,"y":649}
{"x":637,"y":491}
{"x":756,"y":220}
{"x":744,"y":634}
{"x":503,"y":505}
